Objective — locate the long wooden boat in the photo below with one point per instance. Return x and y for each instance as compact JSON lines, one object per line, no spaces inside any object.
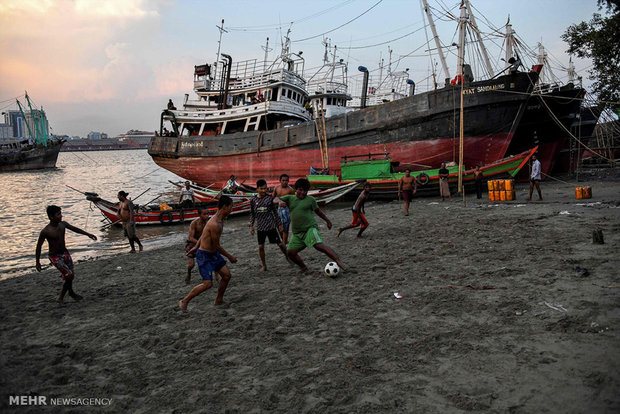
{"x":384,"y":179}
{"x":326,"y":195}
{"x":154,"y":215}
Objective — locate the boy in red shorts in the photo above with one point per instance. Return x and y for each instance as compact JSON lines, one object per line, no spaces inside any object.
{"x":54,"y":233}
{"x":358,"y":212}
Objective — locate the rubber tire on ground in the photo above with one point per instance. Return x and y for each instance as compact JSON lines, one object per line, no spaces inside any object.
{"x":423,"y":178}
{"x":164,"y":214}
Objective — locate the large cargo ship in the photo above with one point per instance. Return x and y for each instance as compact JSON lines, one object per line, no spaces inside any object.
{"x":258,"y":121}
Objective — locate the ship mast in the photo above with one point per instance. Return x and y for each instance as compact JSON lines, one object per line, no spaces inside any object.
{"x":219,"y":44}
{"x":509,"y":40}
{"x":461,"y":52}
{"x":483,"y":49}
{"x":431,"y":23}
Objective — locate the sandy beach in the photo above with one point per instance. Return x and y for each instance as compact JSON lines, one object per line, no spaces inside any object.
{"x":506,"y":307}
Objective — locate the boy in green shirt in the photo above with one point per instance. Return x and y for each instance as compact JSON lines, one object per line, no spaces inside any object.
{"x":304,"y":228}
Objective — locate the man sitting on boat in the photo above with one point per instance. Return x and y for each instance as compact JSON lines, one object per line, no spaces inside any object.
{"x":231,"y":186}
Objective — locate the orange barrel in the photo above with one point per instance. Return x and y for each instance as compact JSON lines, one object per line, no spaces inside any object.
{"x":502,"y":195}
{"x":491,"y":194}
{"x":510,"y":195}
{"x":587,"y":192}
{"x":493,"y":185}
{"x":490,"y":185}
{"x":497,"y":195}
{"x":502,"y":185}
{"x":509,"y":184}
{"x":578,"y":193}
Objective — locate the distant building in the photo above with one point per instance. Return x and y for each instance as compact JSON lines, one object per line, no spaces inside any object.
{"x":24,"y":125}
{"x":97,"y":135}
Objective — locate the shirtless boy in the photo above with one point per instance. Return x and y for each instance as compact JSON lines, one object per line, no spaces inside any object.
{"x":358,"y":212}
{"x":283,"y":189}
{"x":304,"y":227}
{"x":264,"y":216}
{"x":195,"y":230}
{"x":408,"y":186}
{"x":125,"y":212}
{"x":209,"y":254}
{"x":54,"y":233}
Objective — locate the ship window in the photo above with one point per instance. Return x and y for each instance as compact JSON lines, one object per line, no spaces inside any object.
{"x":288,"y":93}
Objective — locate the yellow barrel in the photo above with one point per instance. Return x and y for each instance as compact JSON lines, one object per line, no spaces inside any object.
{"x":502,"y":185}
{"x":509,"y":184}
{"x":491,"y":194}
{"x":498,"y":196}
{"x":490,"y":185}
{"x":510,"y":195}
{"x":579,"y":193}
{"x":502,"y":195}
{"x":587,"y":192}
{"x":495,"y":185}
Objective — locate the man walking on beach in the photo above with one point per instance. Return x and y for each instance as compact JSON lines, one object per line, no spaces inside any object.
{"x":209,"y":255}
{"x":263,"y":213}
{"x":283,"y":189}
{"x":127,"y":218}
{"x":358,"y":212}
{"x":535,"y":178}
{"x":304,"y":227}
{"x":195,"y":231}
{"x":408,"y":186}
{"x":444,"y":187}
{"x":54,"y":233}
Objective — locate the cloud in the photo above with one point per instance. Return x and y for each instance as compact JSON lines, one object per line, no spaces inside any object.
{"x":76,"y":51}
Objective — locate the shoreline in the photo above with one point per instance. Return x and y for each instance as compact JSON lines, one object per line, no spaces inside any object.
{"x":506,"y":306}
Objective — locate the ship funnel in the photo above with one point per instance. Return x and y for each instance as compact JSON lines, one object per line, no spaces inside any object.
{"x":364,"y":85}
{"x":411,"y":84}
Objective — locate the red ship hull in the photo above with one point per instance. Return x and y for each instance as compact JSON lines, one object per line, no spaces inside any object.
{"x":296,"y":161}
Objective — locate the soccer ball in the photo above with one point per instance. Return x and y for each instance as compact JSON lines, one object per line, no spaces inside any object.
{"x":332,"y":269}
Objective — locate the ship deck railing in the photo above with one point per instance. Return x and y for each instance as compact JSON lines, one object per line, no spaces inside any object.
{"x":262,"y":108}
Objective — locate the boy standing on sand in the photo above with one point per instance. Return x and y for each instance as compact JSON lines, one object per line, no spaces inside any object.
{"x":304,"y":228}
{"x":195,"y":230}
{"x":285,"y":215}
{"x":209,"y":255}
{"x":125,"y":212}
{"x":54,"y":233}
{"x":263,"y":213}
{"x":358,"y":212}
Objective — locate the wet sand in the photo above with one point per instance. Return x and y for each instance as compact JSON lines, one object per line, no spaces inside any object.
{"x":506,"y":307}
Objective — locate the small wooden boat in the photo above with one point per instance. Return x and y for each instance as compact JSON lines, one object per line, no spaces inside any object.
{"x":384,"y":179}
{"x":205,"y":194}
{"x":155,"y":215}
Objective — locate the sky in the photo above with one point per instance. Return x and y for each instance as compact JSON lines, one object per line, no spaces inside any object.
{"x":111,"y":65}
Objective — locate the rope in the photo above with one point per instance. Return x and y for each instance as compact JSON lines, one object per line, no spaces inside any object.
{"x":557,"y":121}
{"x":556,"y":179}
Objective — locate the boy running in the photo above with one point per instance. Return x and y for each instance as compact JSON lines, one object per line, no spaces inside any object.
{"x":195,"y":230}
{"x":304,"y":227}
{"x":358,"y":212}
{"x":285,"y":216}
{"x":209,"y":255}
{"x":54,"y":233}
{"x":263,"y":213}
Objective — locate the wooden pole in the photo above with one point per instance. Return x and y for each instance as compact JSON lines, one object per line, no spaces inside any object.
{"x":461,"y":133}
{"x":324,"y":137}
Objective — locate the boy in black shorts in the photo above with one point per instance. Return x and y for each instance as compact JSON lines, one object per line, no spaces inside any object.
{"x":264,"y":214}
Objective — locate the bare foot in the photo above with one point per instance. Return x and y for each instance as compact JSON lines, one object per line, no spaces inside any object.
{"x":60,"y":301}
{"x":303,"y":271}
{"x":339,"y":231}
{"x":219,"y":302}
{"x":263,"y":268}
{"x":182,"y":306}
{"x":132,"y":251}
{"x":342,"y":266}
{"x":77,"y":297}
{"x":187,"y":280}
{"x":406,"y":214}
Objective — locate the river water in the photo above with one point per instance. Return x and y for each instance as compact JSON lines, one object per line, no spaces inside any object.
{"x":25,"y":195}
